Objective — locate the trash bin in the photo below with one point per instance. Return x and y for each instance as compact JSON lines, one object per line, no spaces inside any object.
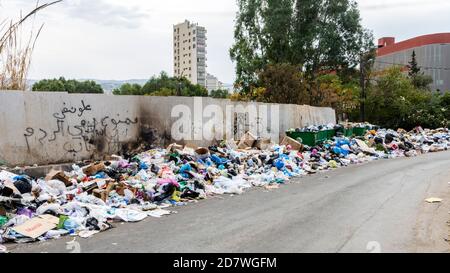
{"x":322,"y":136}
{"x":330,"y":134}
{"x":306,"y":138}
{"x":358,"y":131}
{"x":348,"y":132}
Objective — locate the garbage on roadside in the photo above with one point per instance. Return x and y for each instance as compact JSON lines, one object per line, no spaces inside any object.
{"x":434,"y":200}
{"x":91,"y":198}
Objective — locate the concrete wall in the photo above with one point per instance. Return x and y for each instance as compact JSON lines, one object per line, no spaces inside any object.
{"x":47,"y":128}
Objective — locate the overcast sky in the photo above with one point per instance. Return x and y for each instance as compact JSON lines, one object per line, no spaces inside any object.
{"x":116,"y":39}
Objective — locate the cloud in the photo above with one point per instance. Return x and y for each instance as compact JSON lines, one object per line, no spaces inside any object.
{"x":98,"y":11}
{"x":101,"y":12}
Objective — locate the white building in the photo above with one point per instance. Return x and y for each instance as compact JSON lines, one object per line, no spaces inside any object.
{"x":189,"y":47}
{"x":212,"y":83}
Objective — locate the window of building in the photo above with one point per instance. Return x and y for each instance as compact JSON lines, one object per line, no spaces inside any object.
{"x":193,"y":39}
{"x":193,"y":31}
{"x":193,"y":46}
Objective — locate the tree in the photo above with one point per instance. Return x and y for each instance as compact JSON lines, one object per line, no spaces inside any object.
{"x":248,"y":51}
{"x":163,"y":85}
{"x":330,"y":91}
{"x":420,"y":80}
{"x":219,"y":94}
{"x":128,"y":89}
{"x":283,"y":83}
{"x":414,"y":69}
{"x":276,"y":31}
{"x":316,"y":36}
{"x":387,"y":102}
{"x":305,"y":25}
{"x":395,"y":102}
{"x":70,"y":86}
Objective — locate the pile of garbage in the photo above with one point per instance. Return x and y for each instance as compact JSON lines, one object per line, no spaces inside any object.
{"x":315,"y":128}
{"x":91,"y":198}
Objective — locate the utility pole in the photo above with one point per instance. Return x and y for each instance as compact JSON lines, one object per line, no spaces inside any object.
{"x":362,"y":69}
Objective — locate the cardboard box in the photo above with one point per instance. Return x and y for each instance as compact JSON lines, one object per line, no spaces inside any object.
{"x":59,"y":175}
{"x":263,"y":144}
{"x":102,"y":194}
{"x":37,"y":226}
{"x":231,"y":144}
{"x":297,"y":146}
{"x":93,"y":169}
{"x":247,"y":141}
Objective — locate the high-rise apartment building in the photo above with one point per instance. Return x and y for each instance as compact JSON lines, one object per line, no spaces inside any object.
{"x":212,"y":83}
{"x":189,"y":48}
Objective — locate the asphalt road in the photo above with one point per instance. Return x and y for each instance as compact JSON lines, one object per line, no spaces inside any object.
{"x":377,"y":206}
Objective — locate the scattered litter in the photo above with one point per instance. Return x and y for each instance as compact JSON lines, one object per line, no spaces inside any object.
{"x":158,"y":213}
{"x":3,"y":249}
{"x":434,"y":200}
{"x":92,"y":196}
{"x":272,"y":187}
{"x":87,"y":233}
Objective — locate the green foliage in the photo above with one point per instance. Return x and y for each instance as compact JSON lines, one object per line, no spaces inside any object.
{"x":70,"y":86}
{"x":316,"y":36}
{"x":422,"y":81}
{"x":163,"y":85}
{"x":283,"y":84}
{"x":413,"y":67}
{"x":329,"y":91}
{"x":395,"y":102}
{"x":219,"y":94}
{"x":248,"y":51}
{"x":128,"y":89}
{"x":419,"y":80}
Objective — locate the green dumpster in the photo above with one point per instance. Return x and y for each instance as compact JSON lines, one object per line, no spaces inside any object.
{"x":322,"y":136}
{"x":306,"y":138}
{"x":348,"y":132}
{"x":358,"y":131}
{"x":331,"y":134}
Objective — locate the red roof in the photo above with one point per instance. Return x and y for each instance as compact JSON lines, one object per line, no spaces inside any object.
{"x":438,"y":38}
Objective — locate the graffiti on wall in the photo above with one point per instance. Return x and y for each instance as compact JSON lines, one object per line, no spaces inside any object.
{"x":80,"y":133}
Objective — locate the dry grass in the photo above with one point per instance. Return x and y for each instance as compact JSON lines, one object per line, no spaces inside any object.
{"x":16,"y":51}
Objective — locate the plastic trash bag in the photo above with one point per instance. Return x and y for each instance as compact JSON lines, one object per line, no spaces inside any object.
{"x":129,"y":215}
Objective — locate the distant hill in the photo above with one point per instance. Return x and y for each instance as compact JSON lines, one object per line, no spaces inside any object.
{"x":109,"y":85}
